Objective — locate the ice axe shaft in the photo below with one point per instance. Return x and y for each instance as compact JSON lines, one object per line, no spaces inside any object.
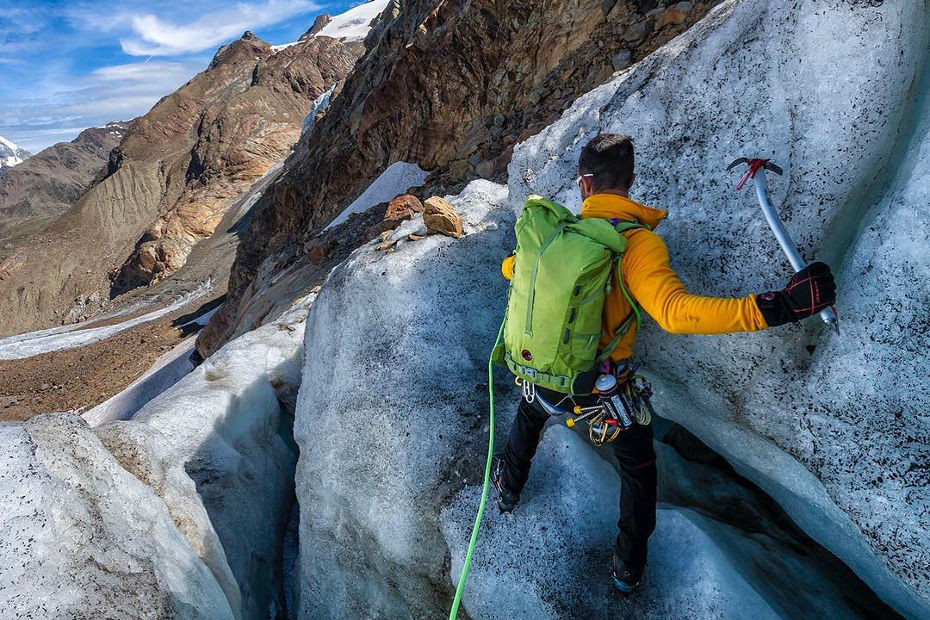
{"x":756,"y":172}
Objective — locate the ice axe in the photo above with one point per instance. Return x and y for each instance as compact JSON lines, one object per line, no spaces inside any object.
{"x":756,"y":172}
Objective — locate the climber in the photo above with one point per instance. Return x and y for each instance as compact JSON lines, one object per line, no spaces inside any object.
{"x":605,"y":170}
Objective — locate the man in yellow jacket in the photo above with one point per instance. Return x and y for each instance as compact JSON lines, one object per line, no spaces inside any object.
{"x":606,"y":175}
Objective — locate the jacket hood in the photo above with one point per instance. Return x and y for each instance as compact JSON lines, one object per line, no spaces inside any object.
{"x":607,"y":206}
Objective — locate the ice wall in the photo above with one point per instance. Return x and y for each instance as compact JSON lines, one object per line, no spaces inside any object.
{"x":217,"y":447}
{"x":80,"y":537}
{"x":392,"y":427}
{"x":382,"y":420}
{"x":833,"y":427}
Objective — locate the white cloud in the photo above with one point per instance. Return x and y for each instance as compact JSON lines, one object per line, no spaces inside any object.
{"x":52,"y":83}
{"x":153,"y":36}
{"x":117,"y":92}
{"x":147,"y":72}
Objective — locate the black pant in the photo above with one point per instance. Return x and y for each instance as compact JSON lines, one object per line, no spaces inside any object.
{"x":637,"y":458}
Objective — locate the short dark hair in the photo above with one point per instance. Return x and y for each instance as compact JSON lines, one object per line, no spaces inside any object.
{"x":609,"y":157}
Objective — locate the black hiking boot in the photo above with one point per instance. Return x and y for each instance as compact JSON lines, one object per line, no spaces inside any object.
{"x":506,"y":499}
{"x":626,"y":577}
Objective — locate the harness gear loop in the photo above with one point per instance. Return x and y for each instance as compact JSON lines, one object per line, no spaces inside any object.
{"x":529,"y":391}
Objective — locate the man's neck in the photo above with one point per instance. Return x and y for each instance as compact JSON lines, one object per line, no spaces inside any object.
{"x":617,"y":192}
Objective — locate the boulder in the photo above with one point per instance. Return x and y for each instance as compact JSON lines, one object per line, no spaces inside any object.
{"x":401,"y":208}
{"x":675,"y":14}
{"x":440,"y":217}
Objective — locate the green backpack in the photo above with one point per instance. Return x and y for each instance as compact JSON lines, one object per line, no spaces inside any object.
{"x":555,"y":305}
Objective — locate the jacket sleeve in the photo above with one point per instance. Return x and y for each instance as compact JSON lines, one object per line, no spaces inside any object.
{"x":507,"y":266}
{"x":652,"y":282}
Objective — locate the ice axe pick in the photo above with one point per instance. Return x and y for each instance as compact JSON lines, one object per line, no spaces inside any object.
{"x":756,"y":172}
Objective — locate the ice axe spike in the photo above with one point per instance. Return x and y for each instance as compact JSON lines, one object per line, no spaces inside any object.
{"x":756,"y":172}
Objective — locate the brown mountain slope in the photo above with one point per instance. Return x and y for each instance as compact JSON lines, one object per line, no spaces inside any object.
{"x":171,"y":180}
{"x":451,"y":86}
{"x":44,"y":186}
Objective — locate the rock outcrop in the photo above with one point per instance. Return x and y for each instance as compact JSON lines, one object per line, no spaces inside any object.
{"x":172,"y":178}
{"x":47,"y":184}
{"x":452,"y":87}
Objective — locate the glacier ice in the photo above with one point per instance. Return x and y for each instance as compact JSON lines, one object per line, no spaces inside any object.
{"x":319,"y":105}
{"x":564,"y":529}
{"x":179,"y":511}
{"x":834,"y":428}
{"x":224,"y":430}
{"x":392,"y":427}
{"x":80,"y":536}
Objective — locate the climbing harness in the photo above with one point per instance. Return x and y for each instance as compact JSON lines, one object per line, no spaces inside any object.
{"x":619,"y":405}
{"x":604,"y":426}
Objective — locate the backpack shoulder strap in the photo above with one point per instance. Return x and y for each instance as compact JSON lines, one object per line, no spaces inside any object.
{"x":623,"y":226}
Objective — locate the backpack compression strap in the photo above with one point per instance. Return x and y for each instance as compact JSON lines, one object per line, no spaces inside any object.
{"x":623,"y":226}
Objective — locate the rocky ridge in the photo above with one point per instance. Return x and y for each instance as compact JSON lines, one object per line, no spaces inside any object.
{"x":171,"y":180}
{"x":47,"y":184}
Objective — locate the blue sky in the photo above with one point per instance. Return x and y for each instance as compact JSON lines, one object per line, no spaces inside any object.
{"x":69,"y":65}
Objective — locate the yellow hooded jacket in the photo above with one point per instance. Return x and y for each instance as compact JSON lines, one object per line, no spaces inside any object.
{"x":651,"y":281}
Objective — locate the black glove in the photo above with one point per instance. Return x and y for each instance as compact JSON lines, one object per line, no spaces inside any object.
{"x":808,"y":292}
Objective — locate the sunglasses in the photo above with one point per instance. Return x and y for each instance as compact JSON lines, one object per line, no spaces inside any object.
{"x":578,"y":180}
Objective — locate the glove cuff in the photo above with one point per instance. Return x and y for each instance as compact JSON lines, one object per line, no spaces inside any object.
{"x":774,"y":308}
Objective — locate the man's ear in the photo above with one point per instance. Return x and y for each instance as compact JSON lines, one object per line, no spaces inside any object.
{"x":587,"y":187}
{"x":632,"y":179}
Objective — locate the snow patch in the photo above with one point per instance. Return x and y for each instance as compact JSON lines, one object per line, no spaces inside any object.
{"x":319,"y":104}
{"x":11,"y":154}
{"x":59,"y":339}
{"x":354,"y":24}
{"x":283,"y":46}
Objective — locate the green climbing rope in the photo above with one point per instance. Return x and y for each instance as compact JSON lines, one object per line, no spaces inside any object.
{"x":454,"y":612}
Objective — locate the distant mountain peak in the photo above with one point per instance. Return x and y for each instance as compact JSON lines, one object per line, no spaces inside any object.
{"x":318,"y":24}
{"x":11,"y":154}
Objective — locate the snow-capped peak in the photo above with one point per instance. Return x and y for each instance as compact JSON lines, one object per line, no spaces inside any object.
{"x":11,"y":154}
{"x":354,"y":24}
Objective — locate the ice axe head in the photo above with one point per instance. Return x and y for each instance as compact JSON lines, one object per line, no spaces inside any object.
{"x":754,"y":165}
